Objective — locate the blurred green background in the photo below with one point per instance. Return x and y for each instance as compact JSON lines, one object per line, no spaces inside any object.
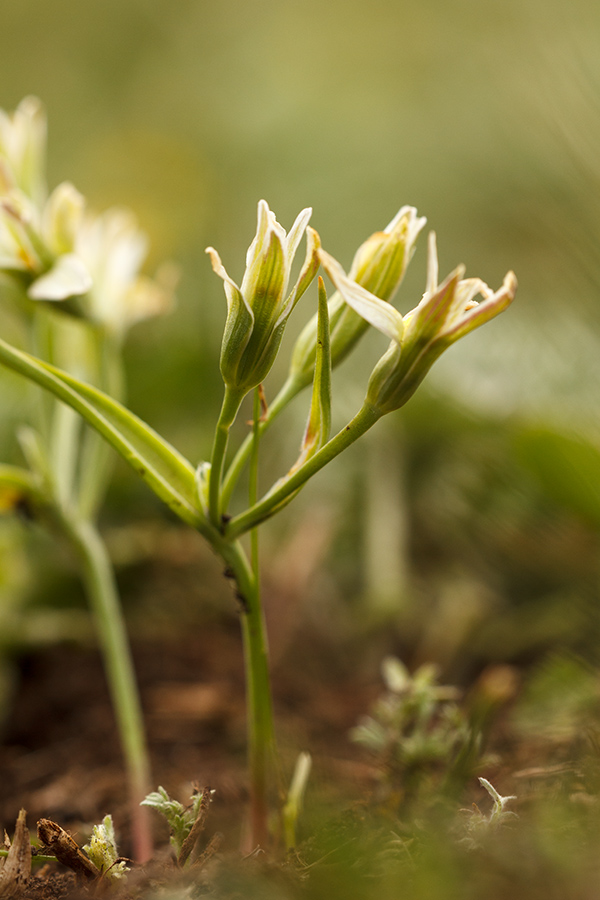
{"x":478,"y":533}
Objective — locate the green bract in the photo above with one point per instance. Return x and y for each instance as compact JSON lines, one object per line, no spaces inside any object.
{"x":258,"y":310}
{"x":446,"y":313}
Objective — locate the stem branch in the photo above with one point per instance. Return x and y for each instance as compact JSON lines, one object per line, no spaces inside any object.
{"x":285,"y":395}
{"x":362,"y":421}
{"x":229,"y":410}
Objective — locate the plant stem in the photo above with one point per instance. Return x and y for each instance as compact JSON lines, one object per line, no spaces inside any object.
{"x":261,"y":731}
{"x":261,"y":736}
{"x":229,"y":410}
{"x":102,"y":593}
{"x":285,"y":395}
{"x":362,"y":421}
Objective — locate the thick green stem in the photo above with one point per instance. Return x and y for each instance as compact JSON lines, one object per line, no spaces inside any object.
{"x":261,"y":736}
{"x":273,"y":500}
{"x":102,"y":592}
{"x":229,"y":410}
{"x":261,"y":732}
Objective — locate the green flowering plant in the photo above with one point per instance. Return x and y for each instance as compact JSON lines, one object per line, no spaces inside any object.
{"x":479,"y":827}
{"x":258,"y":310}
{"x":379,"y":265}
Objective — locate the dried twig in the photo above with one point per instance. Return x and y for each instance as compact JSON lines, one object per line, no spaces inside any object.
{"x":65,"y":849}
{"x":209,"y":851}
{"x":197,"y":828}
{"x":16,"y":870}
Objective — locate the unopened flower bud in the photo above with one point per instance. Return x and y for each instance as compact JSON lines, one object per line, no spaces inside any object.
{"x":258,"y":310}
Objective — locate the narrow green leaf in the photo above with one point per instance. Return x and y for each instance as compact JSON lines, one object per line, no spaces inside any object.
{"x":318,"y":426}
{"x":163,"y":468}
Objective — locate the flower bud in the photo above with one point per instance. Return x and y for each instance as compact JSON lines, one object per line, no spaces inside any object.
{"x":379,"y":266}
{"x":258,"y":310}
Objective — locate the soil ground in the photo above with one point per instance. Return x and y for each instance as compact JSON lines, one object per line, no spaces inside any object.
{"x":60,"y":756}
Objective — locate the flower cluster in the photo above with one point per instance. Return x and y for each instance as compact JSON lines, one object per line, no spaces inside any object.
{"x":259,"y":309}
{"x":63,"y":253}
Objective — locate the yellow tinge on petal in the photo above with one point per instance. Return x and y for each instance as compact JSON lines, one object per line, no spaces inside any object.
{"x":445,"y":313}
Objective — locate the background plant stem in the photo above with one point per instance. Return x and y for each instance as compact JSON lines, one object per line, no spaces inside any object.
{"x":102,"y":594}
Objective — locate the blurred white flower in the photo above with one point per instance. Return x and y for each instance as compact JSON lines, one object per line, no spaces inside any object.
{"x":62,"y":252}
{"x":23,"y":150}
{"x":113,"y":249}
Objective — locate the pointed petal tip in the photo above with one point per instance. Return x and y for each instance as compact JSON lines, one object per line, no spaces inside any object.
{"x":214,"y":256}
{"x":409,"y":212}
{"x":217,"y":265}
{"x":510,"y":283}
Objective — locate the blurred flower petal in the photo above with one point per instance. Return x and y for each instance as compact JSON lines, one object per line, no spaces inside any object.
{"x":67,"y":278}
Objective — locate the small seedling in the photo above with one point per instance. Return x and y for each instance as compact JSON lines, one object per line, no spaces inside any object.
{"x":295,"y":798}
{"x":479,"y":825}
{"x":415,"y":729}
{"x":102,"y":850}
{"x":185,"y":822}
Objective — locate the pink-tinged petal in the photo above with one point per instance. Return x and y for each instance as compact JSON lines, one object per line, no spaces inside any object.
{"x":376,"y":312}
{"x":481,"y":313}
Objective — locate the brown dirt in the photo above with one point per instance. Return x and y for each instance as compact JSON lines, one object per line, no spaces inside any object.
{"x":60,"y":757}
